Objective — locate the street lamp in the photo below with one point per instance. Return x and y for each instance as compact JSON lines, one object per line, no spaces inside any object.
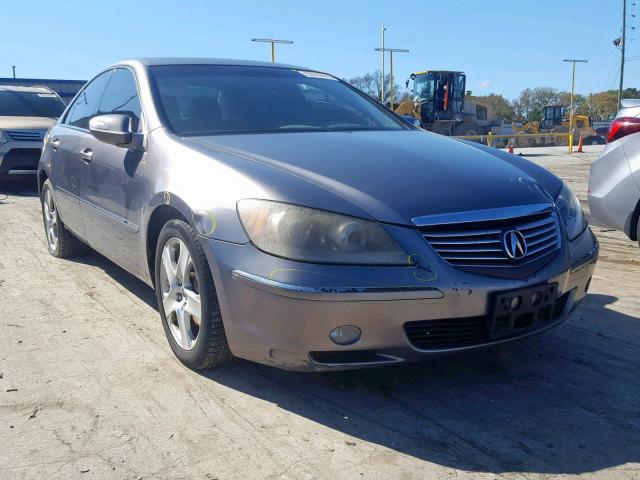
{"x":573,"y":82}
{"x":391,"y":50}
{"x":384,"y":29}
{"x":272,"y":42}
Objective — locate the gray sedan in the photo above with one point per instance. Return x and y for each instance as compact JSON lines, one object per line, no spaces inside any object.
{"x":286,"y":218}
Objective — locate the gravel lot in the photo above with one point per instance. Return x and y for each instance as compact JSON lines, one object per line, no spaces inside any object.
{"x":90,"y":389}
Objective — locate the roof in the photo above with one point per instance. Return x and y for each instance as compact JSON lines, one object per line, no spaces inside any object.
{"x":153,"y":61}
{"x":16,"y":88}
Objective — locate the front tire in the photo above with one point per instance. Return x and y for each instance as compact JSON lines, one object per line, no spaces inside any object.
{"x":187,"y":299}
{"x":61,"y":242}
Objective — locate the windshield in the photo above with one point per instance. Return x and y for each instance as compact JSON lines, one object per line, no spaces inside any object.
{"x":423,"y":87}
{"x":30,"y":104}
{"x":206,"y":99}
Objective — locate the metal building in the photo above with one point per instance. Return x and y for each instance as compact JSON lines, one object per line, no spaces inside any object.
{"x":66,"y":89}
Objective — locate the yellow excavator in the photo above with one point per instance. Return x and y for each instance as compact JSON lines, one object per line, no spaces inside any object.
{"x":441,"y":104}
{"x":555,"y":119}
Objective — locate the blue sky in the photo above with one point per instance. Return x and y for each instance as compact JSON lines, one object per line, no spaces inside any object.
{"x":503,"y":46}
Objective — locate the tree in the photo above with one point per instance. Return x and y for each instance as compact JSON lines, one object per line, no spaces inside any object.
{"x":502,"y":108}
{"x":370,"y":84}
{"x":530,"y":103}
{"x":602,"y":106}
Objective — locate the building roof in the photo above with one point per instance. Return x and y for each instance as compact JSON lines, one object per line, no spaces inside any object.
{"x":17,"y":88}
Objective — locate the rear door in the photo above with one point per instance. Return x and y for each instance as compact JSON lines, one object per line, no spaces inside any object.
{"x":111,"y":202}
{"x":68,"y":140}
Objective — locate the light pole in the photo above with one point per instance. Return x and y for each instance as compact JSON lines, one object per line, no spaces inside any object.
{"x":272,"y":42}
{"x":573,"y":82}
{"x":384,"y":29}
{"x":391,"y":50}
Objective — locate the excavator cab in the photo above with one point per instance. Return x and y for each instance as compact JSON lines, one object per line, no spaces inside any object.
{"x":554,"y":116}
{"x":440,"y":95}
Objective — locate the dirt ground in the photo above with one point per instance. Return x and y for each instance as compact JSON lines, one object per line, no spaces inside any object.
{"x":90,"y":389}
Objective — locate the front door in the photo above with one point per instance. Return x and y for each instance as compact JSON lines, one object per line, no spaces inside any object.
{"x":111,"y":201}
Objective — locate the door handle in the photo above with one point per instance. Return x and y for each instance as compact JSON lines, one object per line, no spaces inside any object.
{"x":55,"y":143}
{"x":87,"y":155}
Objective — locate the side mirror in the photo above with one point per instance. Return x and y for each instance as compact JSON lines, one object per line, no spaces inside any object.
{"x":114,"y":129}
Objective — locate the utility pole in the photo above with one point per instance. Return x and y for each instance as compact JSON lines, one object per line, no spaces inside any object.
{"x":272,"y":42}
{"x":14,"y":70}
{"x":391,"y":50}
{"x":624,"y":33}
{"x":382,"y":76}
{"x":573,"y":83}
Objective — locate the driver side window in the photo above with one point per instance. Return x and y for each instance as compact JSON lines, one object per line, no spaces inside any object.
{"x":86,"y":103}
{"x":121,"y":96}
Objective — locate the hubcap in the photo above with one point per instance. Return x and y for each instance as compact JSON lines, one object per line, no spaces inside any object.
{"x":180,"y":293}
{"x":50,"y":220}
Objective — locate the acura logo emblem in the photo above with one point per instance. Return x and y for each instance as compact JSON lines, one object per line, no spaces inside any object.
{"x":515,"y":246}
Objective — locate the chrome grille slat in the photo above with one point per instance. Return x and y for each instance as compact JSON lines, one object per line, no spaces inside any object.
{"x":536,"y":233}
{"x":479,"y":244}
{"x":26,"y":135}
{"x":541,"y":240}
{"x":464,"y":234}
{"x":470,"y":250}
{"x":536,"y":224}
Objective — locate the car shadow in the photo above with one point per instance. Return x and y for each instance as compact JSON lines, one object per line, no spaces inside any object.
{"x":118,"y":274}
{"x":566,"y":402}
{"x":18,"y":187}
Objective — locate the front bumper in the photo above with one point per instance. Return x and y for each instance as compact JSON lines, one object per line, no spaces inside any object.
{"x":280,"y":313}
{"x":20,"y":157}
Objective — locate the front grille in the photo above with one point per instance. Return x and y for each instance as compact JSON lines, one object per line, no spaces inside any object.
{"x":465,"y":332}
{"x":480,"y":243}
{"x":26,"y":135}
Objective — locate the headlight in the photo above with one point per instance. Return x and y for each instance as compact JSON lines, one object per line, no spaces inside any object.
{"x":3,"y":137}
{"x":570,"y":212}
{"x":309,"y":235}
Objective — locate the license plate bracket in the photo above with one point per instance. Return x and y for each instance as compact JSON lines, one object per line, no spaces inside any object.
{"x":517,"y":311}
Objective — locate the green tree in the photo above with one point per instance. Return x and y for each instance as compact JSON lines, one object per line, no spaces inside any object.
{"x":603,"y":106}
{"x":502,"y":108}
{"x":370,"y":83}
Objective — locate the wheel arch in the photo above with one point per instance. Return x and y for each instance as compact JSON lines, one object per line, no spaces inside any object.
{"x":169,"y":207}
{"x":42,"y":177}
{"x":634,"y":222}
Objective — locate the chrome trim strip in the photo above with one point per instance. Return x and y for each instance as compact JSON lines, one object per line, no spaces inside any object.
{"x":389,"y":359}
{"x":337,"y":294}
{"x":112,"y":216}
{"x":489,"y":214}
{"x":22,"y":172}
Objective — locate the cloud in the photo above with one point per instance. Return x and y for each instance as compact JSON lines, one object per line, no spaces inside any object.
{"x":484,"y":84}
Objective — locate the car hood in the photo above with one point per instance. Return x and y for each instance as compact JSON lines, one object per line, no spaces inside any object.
{"x":398,"y":175}
{"x":27,"y":123}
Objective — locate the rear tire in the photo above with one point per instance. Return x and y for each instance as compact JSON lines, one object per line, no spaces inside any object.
{"x":61,"y":242}
{"x":187,"y":299}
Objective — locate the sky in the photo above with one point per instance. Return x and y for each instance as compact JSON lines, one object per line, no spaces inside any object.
{"x":503,"y":46}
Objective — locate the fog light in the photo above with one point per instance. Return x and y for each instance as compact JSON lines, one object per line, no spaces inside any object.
{"x":537,"y":298}
{"x":515,"y":302}
{"x":345,"y":334}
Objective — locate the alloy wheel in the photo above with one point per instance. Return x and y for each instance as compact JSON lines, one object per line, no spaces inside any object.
{"x":180,"y":293}
{"x":50,"y":220}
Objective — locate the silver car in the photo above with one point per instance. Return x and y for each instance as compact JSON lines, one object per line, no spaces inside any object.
{"x":614,"y":183}
{"x":286,"y":218}
{"x":26,"y":113}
